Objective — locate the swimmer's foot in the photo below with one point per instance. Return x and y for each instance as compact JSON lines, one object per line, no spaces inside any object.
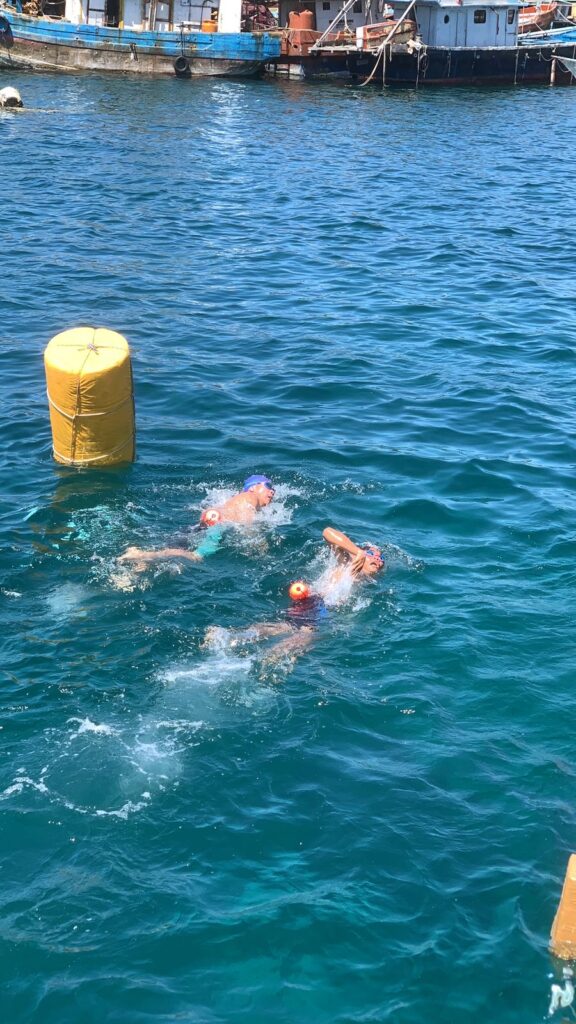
{"x":275,"y":666}
{"x":214,"y":637}
{"x":123,"y":581}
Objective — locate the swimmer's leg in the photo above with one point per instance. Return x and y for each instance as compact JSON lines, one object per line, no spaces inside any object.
{"x":291,"y":648}
{"x":264,"y":630}
{"x":211,"y":542}
{"x":141,"y":557}
{"x":217,"y":636}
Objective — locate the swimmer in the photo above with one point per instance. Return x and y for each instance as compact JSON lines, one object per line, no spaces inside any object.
{"x":309,"y":607}
{"x":240,"y":509}
{"x":358,"y":560}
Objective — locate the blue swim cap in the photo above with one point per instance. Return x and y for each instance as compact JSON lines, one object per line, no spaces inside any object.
{"x":252,"y":480}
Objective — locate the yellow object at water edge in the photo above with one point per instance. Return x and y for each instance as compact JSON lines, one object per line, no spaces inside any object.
{"x":90,"y":391}
{"x":563,"y":935}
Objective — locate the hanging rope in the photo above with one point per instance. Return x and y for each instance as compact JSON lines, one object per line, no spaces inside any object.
{"x":96,"y":458}
{"x":380,"y":53}
{"x":84,"y":415}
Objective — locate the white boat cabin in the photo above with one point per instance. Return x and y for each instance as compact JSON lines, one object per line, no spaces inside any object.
{"x":439,"y":23}
{"x":159,"y":15}
{"x":468,"y":23}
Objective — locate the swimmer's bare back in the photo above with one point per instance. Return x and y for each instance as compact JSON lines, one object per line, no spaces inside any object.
{"x":238,"y":509}
{"x":241,"y":508}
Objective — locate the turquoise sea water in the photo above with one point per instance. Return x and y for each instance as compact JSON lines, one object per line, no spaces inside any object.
{"x":371,"y":298}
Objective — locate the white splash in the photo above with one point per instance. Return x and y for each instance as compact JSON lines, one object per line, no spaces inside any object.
{"x":561,"y":997}
{"x":216,"y":687}
{"x":123,"y":812}
{"x":103,"y":770}
{"x":336,"y":582}
{"x":86,"y":725}
{"x":186,"y":681}
{"x":125,"y":576}
{"x":21,"y":782}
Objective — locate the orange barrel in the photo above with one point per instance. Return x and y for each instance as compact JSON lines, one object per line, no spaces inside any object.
{"x":91,"y":397}
{"x":563,"y":934}
{"x":305,"y":20}
{"x":209,"y":26}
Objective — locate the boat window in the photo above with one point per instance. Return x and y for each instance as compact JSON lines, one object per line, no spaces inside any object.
{"x":511,"y":14}
{"x":479,"y":17}
{"x":325,"y":6}
{"x":112,"y":14}
{"x":54,"y":8}
{"x":357,"y":9}
{"x":446,"y":19}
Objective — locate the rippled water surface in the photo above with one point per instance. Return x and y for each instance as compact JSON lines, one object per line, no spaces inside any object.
{"x":371,"y":298}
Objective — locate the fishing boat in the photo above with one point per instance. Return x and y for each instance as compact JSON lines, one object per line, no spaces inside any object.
{"x":416,"y":43}
{"x":535,"y":17}
{"x":182,"y":38}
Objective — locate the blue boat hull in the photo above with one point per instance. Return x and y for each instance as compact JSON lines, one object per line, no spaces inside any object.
{"x":50,"y":45}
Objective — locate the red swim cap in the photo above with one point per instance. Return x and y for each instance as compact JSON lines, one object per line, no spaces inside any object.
{"x":299,"y":590}
{"x":210,"y":517}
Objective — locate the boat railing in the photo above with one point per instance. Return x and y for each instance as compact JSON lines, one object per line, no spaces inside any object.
{"x":560,"y":16}
{"x":544,"y":33}
{"x":381,"y":51}
{"x":347,"y":6}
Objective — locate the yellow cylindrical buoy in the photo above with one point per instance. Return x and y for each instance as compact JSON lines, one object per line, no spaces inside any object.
{"x":563,"y":934}
{"x":91,"y":397}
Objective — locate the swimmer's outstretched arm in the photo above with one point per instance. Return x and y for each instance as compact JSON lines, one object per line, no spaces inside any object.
{"x":139,"y":555}
{"x":343,"y":545}
{"x":340,"y":541}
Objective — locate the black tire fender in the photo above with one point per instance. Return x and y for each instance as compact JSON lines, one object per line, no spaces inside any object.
{"x":182,"y":67}
{"x":5,"y":30}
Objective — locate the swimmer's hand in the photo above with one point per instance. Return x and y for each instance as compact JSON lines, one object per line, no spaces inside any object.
{"x":358,"y":563}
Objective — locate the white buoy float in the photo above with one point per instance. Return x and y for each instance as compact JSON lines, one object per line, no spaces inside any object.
{"x":10,"y":97}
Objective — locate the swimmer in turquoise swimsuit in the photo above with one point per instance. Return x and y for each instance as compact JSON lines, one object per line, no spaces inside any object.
{"x":240,"y":509}
{"x":309,"y":609}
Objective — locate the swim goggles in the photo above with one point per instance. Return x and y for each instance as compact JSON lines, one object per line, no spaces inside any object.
{"x":373,"y":552}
